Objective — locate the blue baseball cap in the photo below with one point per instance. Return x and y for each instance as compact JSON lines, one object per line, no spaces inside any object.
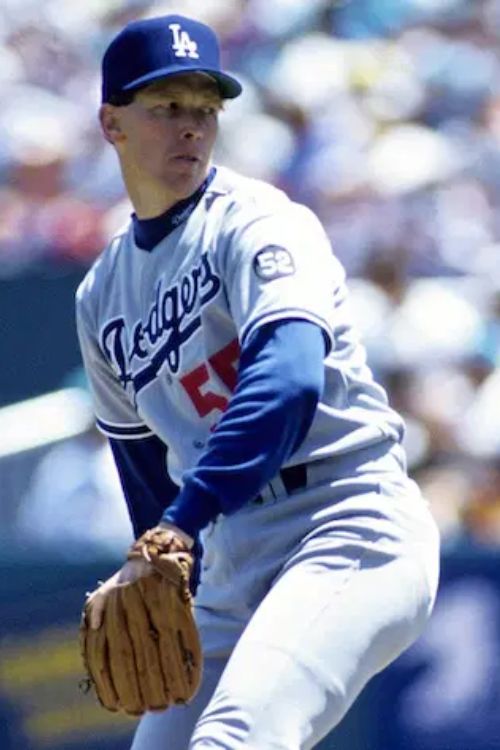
{"x":154,"y":48}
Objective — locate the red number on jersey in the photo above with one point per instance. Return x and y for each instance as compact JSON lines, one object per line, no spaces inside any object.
{"x":206,"y":402}
{"x":223,"y":364}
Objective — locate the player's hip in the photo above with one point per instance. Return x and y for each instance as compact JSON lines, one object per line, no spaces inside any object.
{"x":378,"y":530}
{"x":371,"y":509}
{"x":380,"y":515}
{"x":332,"y":478}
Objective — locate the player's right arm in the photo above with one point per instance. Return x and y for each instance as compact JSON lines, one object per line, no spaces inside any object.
{"x":140,"y":456}
{"x":115,"y":415}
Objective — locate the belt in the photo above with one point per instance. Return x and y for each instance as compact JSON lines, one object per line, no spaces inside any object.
{"x":294,"y":478}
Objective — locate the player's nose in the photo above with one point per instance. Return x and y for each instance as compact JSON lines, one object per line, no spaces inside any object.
{"x":191,"y":134}
{"x":192,"y":126}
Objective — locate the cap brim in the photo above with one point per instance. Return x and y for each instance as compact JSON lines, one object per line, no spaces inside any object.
{"x":229,"y":87}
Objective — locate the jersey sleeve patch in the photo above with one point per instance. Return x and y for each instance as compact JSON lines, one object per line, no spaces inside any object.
{"x":273,"y":262}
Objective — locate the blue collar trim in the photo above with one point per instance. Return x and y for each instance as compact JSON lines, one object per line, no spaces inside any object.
{"x":149,"y":232}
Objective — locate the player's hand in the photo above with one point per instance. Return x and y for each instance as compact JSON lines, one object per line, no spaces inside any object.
{"x":130,"y":572}
{"x":177,"y":534}
{"x":137,"y":566}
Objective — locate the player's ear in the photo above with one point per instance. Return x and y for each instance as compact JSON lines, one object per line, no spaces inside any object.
{"x":110,"y":124}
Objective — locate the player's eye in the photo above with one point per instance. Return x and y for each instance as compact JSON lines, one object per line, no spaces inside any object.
{"x":173,"y":109}
{"x":169,"y":109}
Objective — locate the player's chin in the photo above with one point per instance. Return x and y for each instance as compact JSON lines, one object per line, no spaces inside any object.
{"x":188,"y":174}
{"x":187,"y":166}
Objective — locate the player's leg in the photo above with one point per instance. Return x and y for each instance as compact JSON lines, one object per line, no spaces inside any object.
{"x":345,"y":607}
{"x":172,"y":729}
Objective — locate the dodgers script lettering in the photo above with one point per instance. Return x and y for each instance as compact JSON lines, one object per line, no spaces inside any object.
{"x":173,"y":318}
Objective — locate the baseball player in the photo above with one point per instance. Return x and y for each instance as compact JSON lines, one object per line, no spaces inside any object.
{"x":225,"y":371}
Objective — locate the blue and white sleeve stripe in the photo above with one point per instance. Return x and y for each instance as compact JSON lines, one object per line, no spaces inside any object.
{"x":123,"y":431}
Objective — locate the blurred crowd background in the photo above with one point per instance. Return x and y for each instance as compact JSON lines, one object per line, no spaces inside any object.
{"x":382,"y":115}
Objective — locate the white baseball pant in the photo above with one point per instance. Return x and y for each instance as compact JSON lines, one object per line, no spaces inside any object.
{"x":303,"y":599}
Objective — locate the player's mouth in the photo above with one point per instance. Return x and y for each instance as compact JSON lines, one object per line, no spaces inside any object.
{"x":187,"y":158}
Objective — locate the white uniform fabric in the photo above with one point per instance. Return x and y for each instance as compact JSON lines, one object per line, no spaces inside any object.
{"x":160,"y":331}
{"x":343,"y":579}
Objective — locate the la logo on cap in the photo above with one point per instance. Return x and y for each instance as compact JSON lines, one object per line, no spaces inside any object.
{"x":183,"y":45}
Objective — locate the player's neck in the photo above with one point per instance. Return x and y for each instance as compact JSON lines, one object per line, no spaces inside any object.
{"x":150,"y":201}
{"x":151,"y":198}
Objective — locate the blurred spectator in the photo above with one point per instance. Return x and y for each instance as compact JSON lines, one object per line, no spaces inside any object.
{"x":74,"y":508}
{"x":74,"y":495}
{"x":39,"y":215}
{"x":482,"y":512}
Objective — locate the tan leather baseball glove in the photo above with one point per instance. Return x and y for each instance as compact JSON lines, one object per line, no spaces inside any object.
{"x":145,"y":655}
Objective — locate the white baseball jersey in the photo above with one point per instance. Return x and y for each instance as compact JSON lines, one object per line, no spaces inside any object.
{"x":161,"y":330}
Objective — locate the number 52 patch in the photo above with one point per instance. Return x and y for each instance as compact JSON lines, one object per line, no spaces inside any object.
{"x":273,"y":262}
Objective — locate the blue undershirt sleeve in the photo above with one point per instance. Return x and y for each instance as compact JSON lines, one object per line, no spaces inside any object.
{"x":148,"y":488}
{"x":145,"y":482}
{"x":280,"y":381}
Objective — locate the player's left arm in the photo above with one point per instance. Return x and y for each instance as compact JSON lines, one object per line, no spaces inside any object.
{"x":280,"y":278}
{"x":280,"y":381}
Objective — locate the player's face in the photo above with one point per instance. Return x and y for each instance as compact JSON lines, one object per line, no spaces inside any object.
{"x":169,"y":130}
